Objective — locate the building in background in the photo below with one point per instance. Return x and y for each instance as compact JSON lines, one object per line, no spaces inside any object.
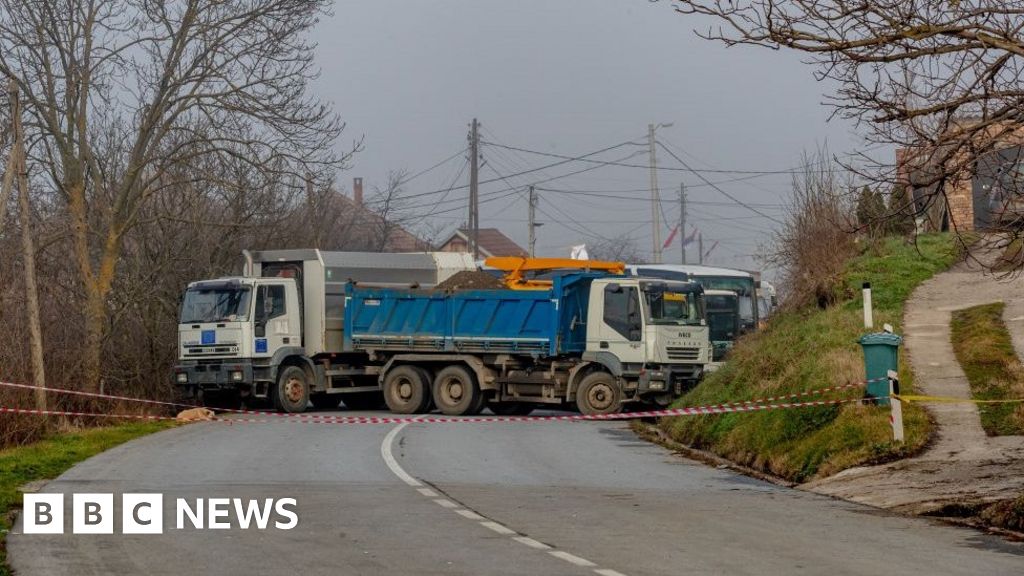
{"x":978,"y":194}
{"x":492,"y":243}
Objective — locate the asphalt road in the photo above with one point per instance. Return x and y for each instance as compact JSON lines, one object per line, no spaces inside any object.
{"x":555,"y":498}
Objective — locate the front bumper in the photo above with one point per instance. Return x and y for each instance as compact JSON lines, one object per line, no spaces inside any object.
{"x":230,"y":374}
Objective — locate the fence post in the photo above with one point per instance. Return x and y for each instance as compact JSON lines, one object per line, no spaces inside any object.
{"x":896,"y":407}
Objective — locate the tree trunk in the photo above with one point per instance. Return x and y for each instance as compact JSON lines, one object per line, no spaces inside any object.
{"x":29,"y":252}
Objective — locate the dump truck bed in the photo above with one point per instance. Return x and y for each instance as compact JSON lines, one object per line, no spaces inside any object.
{"x":536,"y":322}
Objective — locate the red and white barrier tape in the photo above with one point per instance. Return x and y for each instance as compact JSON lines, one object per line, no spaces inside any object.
{"x":37,"y":412}
{"x":316,"y":416}
{"x":329,"y":419}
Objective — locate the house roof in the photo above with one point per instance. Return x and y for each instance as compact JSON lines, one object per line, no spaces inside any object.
{"x":492,"y":242}
{"x":368,"y":224}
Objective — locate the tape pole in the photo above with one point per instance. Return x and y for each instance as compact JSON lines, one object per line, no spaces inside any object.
{"x":896,"y":407}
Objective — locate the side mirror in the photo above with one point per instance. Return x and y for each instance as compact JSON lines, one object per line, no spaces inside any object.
{"x":261,"y":330}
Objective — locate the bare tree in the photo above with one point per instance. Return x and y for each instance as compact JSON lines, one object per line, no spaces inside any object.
{"x":122,"y":95}
{"x":818,"y":237}
{"x":938,"y":78}
{"x":621,"y":248}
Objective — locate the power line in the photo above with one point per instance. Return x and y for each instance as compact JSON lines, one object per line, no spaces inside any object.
{"x":530,"y":171}
{"x":435,"y":166}
{"x":625,"y":165}
{"x":723,"y":192}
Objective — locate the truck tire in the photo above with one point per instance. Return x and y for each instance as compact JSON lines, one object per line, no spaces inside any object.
{"x":511,"y":408}
{"x":406,"y":390}
{"x":456,"y":392}
{"x":599,"y":393}
{"x":292,"y":391}
{"x":363,"y":400}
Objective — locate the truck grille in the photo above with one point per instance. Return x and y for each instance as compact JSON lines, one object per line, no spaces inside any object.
{"x":676,"y":353}
{"x":211,"y":350}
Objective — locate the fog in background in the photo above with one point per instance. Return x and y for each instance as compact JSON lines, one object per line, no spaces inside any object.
{"x":570,"y":77}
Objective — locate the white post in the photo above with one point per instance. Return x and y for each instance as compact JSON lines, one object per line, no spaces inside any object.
{"x":869,"y":321}
{"x":896,"y":416}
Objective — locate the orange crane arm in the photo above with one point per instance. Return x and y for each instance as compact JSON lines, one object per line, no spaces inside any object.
{"x":515,"y":266}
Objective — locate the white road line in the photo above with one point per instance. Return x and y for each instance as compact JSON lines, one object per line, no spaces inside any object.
{"x":389,"y":458}
{"x":531,"y":542}
{"x":397,"y":470}
{"x":571,"y":558}
{"x":469,"y":514}
{"x":497,"y":528}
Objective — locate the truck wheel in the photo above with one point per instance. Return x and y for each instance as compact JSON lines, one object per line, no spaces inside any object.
{"x":406,"y":391}
{"x":292,"y":391}
{"x":324,"y":401}
{"x":599,"y":393}
{"x":363,"y":400}
{"x":511,"y":408}
{"x":456,"y":392}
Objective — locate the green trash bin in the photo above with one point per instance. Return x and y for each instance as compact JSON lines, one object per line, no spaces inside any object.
{"x":881,"y":354}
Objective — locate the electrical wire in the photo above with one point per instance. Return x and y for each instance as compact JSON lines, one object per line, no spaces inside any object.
{"x":715,"y":187}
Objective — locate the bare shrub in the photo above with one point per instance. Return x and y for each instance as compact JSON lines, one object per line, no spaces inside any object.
{"x":818,"y":235}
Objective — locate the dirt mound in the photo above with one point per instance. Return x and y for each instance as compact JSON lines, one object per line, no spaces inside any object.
{"x":471,"y":280}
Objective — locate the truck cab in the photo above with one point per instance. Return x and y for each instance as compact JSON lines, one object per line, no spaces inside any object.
{"x":723,"y":314}
{"x":652,"y":334}
{"x":231,"y":330}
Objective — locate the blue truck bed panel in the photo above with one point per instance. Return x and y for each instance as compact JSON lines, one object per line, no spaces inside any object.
{"x":539,"y":322}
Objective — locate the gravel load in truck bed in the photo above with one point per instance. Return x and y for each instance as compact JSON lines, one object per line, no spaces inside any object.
{"x":471,"y":280}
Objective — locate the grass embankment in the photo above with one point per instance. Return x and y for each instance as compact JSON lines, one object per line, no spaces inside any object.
{"x":49,"y":458}
{"x":811,"y":348}
{"x":985,"y":352}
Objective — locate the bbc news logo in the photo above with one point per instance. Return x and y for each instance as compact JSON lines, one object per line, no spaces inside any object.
{"x":144,"y":513}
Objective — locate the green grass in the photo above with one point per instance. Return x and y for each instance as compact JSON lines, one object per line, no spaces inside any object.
{"x":811,"y":348}
{"x":50,"y":458}
{"x":985,"y":351}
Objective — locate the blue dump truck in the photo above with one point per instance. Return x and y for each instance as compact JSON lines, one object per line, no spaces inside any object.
{"x":592,"y":339}
{"x":303,"y":327}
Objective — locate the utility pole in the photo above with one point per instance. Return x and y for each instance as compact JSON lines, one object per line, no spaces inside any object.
{"x":655,"y":200}
{"x":533,"y":221}
{"x":474,"y":175}
{"x":19,"y":164}
{"x":682,"y":219}
{"x":700,"y":247}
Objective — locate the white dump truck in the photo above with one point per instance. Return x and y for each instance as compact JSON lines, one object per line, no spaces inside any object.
{"x":236,"y":333}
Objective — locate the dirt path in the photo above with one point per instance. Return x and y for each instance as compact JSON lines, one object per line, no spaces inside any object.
{"x":962,"y":465}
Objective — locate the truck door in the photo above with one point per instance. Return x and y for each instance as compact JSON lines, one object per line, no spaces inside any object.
{"x":275,"y":318}
{"x":621,"y":328}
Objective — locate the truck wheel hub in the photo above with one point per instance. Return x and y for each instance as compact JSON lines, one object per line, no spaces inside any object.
{"x":600,"y":397}
{"x":454,"y":389}
{"x":293,"y":390}
{"x":405,"y":390}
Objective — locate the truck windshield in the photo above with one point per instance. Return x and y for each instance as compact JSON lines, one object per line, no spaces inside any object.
{"x":668,"y":307}
{"x":220,"y":304}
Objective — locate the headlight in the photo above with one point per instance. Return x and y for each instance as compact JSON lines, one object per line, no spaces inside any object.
{"x":182,"y":378}
{"x":236,"y":376}
{"x":657,"y":385}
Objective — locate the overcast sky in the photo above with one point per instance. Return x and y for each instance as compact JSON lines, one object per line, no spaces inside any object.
{"x":571,"y":77}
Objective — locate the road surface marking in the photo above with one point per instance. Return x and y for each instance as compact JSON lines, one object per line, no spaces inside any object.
{"x":389,"y":458}
{"x":469,"y":514}
{"x":498,"y":528}
{"x":397,"y":470}
{"x":571,"y":558}
{"x":531,"y":542}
